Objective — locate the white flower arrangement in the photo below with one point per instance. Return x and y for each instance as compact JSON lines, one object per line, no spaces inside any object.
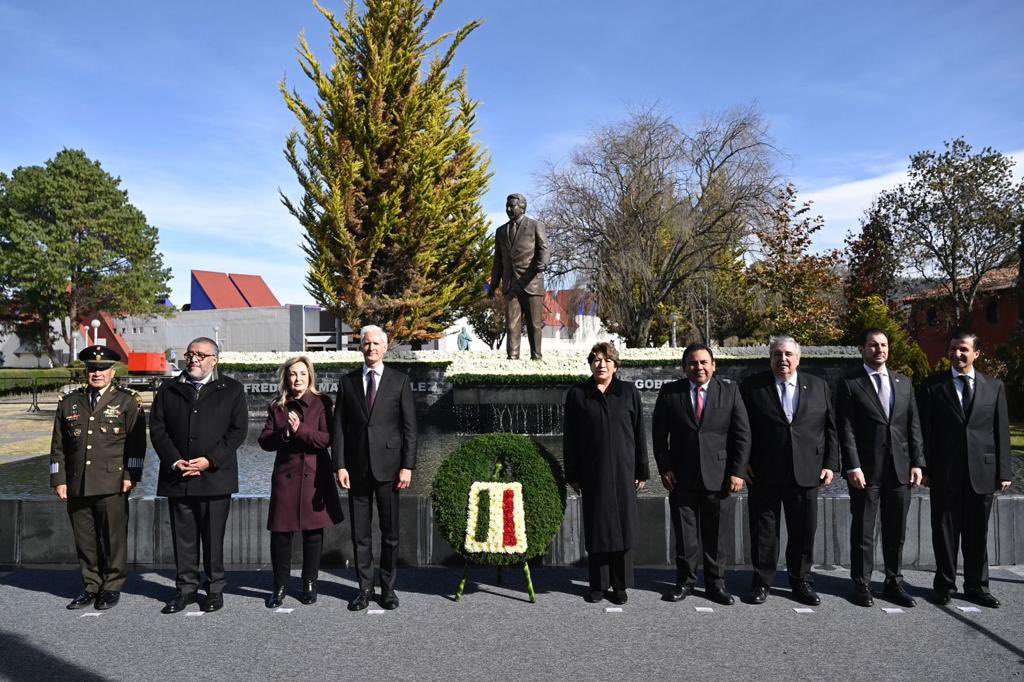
{"x":558,"y":362}
{"x":496,"y":526}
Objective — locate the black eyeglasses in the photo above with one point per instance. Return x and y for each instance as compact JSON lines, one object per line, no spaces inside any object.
{"x":196,"y":355}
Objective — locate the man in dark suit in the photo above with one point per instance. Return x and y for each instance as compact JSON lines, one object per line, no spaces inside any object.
{"x":374,"y":452}
{"x":96,"y":457}
{"x":967,"y":443}
{"x":520,"y":259}
{"x":701,"y":445}
{"x":199,"y":421}
{"x":883,"y":456}
{"x":795,"y":450}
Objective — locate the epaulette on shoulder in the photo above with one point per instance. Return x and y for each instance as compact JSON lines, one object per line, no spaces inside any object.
{"x":79,"y":390}
{"x":133,"y":393}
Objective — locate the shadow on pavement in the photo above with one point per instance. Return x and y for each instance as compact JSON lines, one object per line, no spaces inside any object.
{"x":23,"y":660}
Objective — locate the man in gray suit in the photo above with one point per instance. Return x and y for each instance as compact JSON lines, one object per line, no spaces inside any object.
{"x":520,"y":259}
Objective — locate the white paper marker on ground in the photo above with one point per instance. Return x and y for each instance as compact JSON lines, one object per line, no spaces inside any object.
{"x":284,"y":610}
{"x":892,"y":609}
{"x":193,"y":614}
{"x":704,"y":609}
{"x":374,"y":612}
{"x":90,"y":615}
{"x":803,"y":609}
{"x":969,"y":609}
{"x":613,"y":609}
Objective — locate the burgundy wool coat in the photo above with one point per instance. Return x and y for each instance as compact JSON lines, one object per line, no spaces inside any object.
{"x":303,"y":492}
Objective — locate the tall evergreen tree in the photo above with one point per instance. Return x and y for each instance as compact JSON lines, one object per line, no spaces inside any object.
{"x":872,"y":258}
{"x":71,"y":244}
{"x":799,"y":287}
{"x":392,"y":180}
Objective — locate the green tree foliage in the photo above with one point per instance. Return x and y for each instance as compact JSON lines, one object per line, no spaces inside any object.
{"x":872,"y":259}
{"x":71,"y":244}
{"x":391,"y":178}
{"x":797,"y":287}
{"x":956,"y":219}
{"x":487,"y":317}
{"x":905,"y":355}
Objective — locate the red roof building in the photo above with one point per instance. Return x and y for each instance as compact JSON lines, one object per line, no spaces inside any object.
{"x":993,"y":317}
{"x":216,"y":290}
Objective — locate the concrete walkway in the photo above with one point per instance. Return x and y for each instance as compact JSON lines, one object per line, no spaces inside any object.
{"x":494,"y":633}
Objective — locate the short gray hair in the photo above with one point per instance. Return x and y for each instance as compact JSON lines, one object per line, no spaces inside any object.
{"x":780,"y":341}
{"x":372,"y":328}
{"x":207,"y":340}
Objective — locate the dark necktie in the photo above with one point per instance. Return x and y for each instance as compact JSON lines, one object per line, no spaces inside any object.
{"x":371,"y":389}
{"x":198,"y":385}
{"x":967,"y":395}
{"x":94,"y":397}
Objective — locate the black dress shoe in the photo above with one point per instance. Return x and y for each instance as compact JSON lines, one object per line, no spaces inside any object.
{"x":982,"y":598}
{"x":719,"y":596}
{"x":759,"y":594}
{"x":360,"y":601}
{"x":214,"y":602}
{"x":276,"y":598}
{"x":678,"y":593}
{"x":308,"y":595}
{"x":107,"y":599}
{"x":594,"y":596}
{"x":389,"y":600}
{"x":81,"y":601}
{"x":894,"y":592}
{"x":179,"y":603}
{"x":942,"y":597}
{"x":862,"y":596}
{"x":805,"y":594}
{"x":618,"y":597}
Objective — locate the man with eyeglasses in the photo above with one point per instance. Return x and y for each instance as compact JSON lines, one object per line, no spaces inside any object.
{"x":96,"y":457}
{"x":199,"y":421}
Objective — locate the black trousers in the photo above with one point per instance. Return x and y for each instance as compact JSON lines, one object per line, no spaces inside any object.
{"x":695,"y":524}
{"x":524,"y":307}
{"x":801,"y":508}
{"x":360,"y":504}
{"x":281,"y":555}
{"x":893,"y":501}
{"x":100,"y":526}
{"x":610,"y":570}
{"x":199,"y":522}
{"x":960,"y":516}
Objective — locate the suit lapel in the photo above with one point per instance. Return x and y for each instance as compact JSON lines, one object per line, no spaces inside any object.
{"x":685,"y":397}
{"x":949,"y":393}
{"x":772,"y":396}
{"x":980,"y":388}
{"x":868,"y":387}
{"x":359,"y":389}
{"x":802,"y":391}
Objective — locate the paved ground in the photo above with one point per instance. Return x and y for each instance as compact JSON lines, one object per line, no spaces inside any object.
{"x":493,"y":633}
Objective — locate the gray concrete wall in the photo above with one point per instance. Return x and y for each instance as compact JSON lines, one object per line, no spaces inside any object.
{"x":239,"y":329}
{"x":35,"y":532}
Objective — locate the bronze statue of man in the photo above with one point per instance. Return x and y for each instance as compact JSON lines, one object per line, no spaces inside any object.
{"x":520,"y":259}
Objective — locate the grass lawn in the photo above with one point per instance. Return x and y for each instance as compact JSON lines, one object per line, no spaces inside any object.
{"x":1017,"y":437}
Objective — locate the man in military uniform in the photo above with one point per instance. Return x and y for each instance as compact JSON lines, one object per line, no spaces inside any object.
{"x":96,"y":457}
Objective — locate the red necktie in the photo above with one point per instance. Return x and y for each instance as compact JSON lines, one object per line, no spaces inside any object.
{"x":700,"y":402}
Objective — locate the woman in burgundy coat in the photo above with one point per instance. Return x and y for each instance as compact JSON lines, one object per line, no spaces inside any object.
{"x":303,"y":493}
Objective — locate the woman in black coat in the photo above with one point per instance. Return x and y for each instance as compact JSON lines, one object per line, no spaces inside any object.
{"x":303,"y":494}
{"x":605,"y":454}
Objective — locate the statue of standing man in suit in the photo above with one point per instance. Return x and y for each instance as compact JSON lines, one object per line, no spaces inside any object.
{"x":520,"y":259}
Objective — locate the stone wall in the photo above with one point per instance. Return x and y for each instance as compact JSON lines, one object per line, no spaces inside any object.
{"x":35,"y":532}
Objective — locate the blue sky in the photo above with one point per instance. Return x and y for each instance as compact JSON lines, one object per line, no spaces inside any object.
{"x":180,"y":99}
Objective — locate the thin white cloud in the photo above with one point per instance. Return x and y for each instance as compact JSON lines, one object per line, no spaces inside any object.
{"x":843,"y":205}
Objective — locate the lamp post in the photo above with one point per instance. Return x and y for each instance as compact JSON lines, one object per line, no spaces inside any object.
{"x":216,"y":335}
{"x":674,"y":317}
{"x":95,"y":324}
